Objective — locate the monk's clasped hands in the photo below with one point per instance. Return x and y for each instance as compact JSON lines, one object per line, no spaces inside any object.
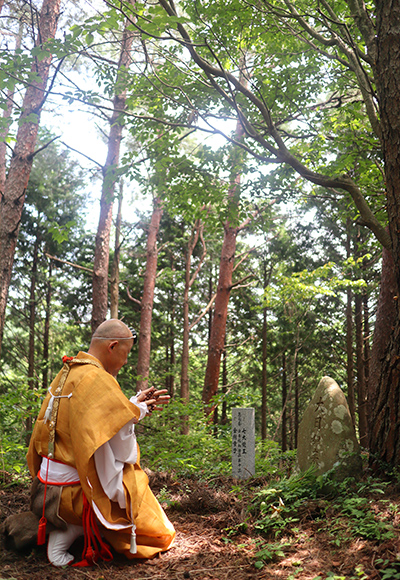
{"x":153,"y":398}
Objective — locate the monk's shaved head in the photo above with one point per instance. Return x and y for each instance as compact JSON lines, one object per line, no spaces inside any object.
{"x":112,"y":329}
{"x":111,"y":343}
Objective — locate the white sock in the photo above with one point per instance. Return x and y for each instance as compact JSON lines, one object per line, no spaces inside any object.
{"x":59,"y":542}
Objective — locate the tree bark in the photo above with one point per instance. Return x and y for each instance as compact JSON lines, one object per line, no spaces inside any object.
{"x":224,"y":413}
{"x":143,"y":364}
{"x":384,"y":325}
{"x":13,"y":197}
{"x":218,"y":326}
{"x":170,"y":346}
{"x":361,"y":396}
{"x":31,"y":349}
{"x":296,"y":403}
{"x":196,"y":233}
{"x":114,"y":285}
{"x":366,"y":339}
{"x":349,"y":336}
{"x":284,"y":403}
{"x":385,"y":405}
{"x":264,"y":378}
{"x":102,"y":248}
{"x":350,"y":355}
{"x":7,"y":115}
{"x":46,"y":333}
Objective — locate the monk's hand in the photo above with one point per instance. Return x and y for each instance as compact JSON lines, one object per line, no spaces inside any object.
{"x":153,"y":398}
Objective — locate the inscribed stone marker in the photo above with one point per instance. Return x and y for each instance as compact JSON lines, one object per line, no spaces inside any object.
{"x":326,"y":434}
{"x":243,"y":443}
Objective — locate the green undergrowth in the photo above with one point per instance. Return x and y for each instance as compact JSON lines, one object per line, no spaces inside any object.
{"x":340,"y":511}
{"x":206,"y":451}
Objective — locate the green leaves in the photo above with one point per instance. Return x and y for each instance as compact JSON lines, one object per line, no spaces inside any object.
{"x":61,"y":233}
{"x":281,"y":504}
{"x":40,"y":53}
{"x":303,"y":287}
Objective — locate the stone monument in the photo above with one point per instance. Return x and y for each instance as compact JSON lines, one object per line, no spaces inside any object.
{"x":243,"y":443}
{"x":326,"y":437}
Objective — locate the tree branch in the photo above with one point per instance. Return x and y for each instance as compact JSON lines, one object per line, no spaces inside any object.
{"x":89,"y":270}
{"x":135,"y":300}
{"x":204,"y":312}
{"x":282,"y":154}
{"x":44,"y":147}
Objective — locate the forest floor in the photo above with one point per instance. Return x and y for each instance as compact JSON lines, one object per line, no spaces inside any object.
{"x":216,"y":540}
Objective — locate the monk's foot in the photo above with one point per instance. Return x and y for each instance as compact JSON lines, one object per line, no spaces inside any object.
{"x":59,"y":542}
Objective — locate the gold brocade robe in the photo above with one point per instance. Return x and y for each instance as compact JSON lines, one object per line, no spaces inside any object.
{"x":94,"y":413}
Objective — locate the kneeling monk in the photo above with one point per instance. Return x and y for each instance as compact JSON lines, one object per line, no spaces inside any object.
{"x":84,"y":450}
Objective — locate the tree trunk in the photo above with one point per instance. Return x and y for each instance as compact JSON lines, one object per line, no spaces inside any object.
{"x":218,"y":328}
{"x":7,"y":115}
{"x":143,"y":365}
{"x":264,"y":378}
{"x":31,"y":350}
{"x":194,"y":237}
{"x":13,"y":198}
{"x":170,"y":347}
{"x":46,"y":333}
{"x":173,"y":356}
{"x":211,"y":311}
{"x":385,"y":322}
{"x":361,"y":399}
{"x":218,"y":325}
{"x":284,"y":403}
{"x":102,"y":249}
{"x":296,"y":403}
{"x":382,"y":393}
{"x":367,"y":349}
{"x":224,"y":414}
{"x":349,"y":336}
{"x":385,"y":405}
{"x":114,"y":285}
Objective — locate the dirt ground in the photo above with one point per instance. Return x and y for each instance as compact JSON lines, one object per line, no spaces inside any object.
{"x":214,"y":541}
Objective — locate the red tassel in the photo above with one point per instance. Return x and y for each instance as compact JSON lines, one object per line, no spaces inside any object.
{"x":94,"y":547}
{"x":41,"y":536}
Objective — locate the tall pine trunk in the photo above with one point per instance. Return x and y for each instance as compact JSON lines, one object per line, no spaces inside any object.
{"x":284,"y":402}
{"x":32,"y":321}
{"x":296,"y":402}
{"x":7,"y":115}
{"x":170,"y":346}
{"x":349,"y":335}
{"x":361,"y":392}
{"x":218,"y":326}
{"x":224,"y":411}
{"x":13,"y":198}
{"x":386,"y":316}
{"x":143,"y":365}
{"x":102,"y":248}
{"x":366,"y":339}
{"x":385,"y":405}
{"x":114,"y":284}
{"x":264,"y":377}
{"x":189,"y":279}
{"x":46,"y":333}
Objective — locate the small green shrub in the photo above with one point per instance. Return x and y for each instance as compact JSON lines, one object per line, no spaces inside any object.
{"x":270,"y":553}
{"x":282,"y":504}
